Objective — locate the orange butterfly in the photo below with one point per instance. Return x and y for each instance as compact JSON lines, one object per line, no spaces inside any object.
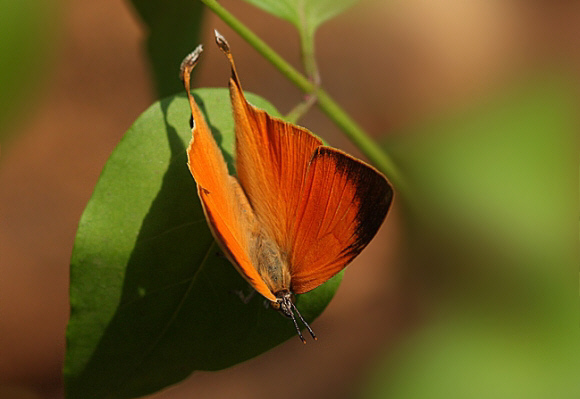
{"x":298,"y":211}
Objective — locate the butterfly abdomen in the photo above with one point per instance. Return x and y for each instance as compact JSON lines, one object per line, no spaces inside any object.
{"x":270,"y":262}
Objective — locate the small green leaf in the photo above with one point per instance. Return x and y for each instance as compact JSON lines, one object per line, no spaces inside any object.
{"x":152,"y":297}
{"x":306,"y":15}
{"x":173,"y":30}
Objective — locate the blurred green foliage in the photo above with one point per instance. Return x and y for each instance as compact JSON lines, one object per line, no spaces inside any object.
{"x":28,"y":33}
{"x":173,"y":30}
{"x":494,"y":242}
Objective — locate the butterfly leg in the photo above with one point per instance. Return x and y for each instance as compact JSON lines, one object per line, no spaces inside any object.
{"x":266,"y":303}
{"x":245,"y":298}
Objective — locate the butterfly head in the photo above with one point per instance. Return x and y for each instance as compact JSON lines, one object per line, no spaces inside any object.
{"x":285,"y":305}
{"x":284,"y":302}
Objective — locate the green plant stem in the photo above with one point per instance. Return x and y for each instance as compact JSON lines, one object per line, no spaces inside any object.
{"x":301,"y":108}
{"x":308,"y":58}
{"x":354,"y":132}
{"x":311,"y":69}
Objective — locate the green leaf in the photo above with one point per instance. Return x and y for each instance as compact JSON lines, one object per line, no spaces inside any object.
{"x":306,"y":15}
{"x":174,"y":29}
{"x":152,"y":297}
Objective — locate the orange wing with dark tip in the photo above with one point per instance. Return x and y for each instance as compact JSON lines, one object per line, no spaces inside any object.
{"x":321,"y":206}
{"x":343,"y":203}
{"x":300,"y":211}
{"x":229,"y":215}
{"x":271,"y":162}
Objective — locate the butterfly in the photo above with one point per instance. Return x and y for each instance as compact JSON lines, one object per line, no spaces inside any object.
{"x":297,"y":212}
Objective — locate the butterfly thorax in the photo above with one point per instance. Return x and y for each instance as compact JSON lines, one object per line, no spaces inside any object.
{"x":270,"y":263}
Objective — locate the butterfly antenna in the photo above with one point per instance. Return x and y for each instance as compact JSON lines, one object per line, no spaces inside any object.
{"x":297,"y":328}
{"x":305,"y":323}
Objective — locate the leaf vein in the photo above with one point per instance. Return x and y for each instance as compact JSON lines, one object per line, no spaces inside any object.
{"x":170,"y":230}
{"x":165,"y":329}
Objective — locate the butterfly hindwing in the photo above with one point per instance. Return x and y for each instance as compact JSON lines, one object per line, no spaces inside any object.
{"x":226,"y":207}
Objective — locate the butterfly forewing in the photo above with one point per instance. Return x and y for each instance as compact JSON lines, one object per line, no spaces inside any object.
{"x":272,"y":159}
{"x":320,"y":205}
{"x":342,"y":206}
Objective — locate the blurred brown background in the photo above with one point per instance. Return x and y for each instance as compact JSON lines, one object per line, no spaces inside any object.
{"x":388,"y":63}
